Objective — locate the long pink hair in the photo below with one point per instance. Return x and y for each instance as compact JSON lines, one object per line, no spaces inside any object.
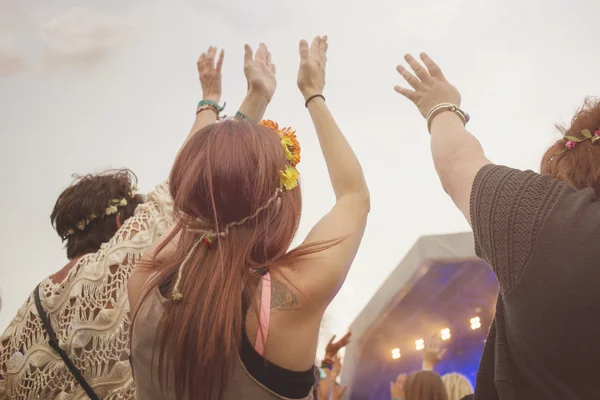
{"x":225,"y":173}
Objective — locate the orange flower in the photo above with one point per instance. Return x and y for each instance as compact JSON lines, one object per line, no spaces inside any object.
{"x":270,"y":124}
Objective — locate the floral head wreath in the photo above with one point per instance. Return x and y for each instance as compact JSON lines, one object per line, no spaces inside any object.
{"x":112,"y":208}
{"x":571,"y":141}
{"x":288,"y":180}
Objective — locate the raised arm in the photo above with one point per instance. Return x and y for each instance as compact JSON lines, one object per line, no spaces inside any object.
{"x":325,"y":272}
{"x":210,"y":77}
{"x":457,"y":155}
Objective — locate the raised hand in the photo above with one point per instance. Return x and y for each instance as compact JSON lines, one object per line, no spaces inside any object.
{"x":338,"y":392}
{"x":397,"y":387}
{"x":332,"y":347}
{"x":430,"y":85}
{"x":210,"y":74}
{"x":260,"y":72}
{"x":311,"y":74}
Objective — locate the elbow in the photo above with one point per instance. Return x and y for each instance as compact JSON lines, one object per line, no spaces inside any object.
{"x":360,"y":200}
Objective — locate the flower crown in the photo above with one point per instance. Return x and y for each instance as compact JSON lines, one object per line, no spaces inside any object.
{"x":288,"y":180}
{"x":572,"y":141}
{"x":113,"y":208}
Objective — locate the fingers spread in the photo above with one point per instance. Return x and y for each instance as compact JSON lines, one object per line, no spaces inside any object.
{"x":220,"y":60}
{"x":421,"y":72}
{"x":304,"y":52}
{"x":247,"y":54}
{"x":432,"y":67}
{"x":412,"y":81}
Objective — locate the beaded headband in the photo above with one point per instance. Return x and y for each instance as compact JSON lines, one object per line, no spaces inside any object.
{"x":288,"y":180}
{"x":572,"y":141}
{"x":113,"y":208}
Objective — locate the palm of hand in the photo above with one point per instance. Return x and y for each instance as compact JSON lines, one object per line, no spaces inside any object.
{"x":261,"y":79}
{"x":209,"y":73}
{"x":311,"y":74}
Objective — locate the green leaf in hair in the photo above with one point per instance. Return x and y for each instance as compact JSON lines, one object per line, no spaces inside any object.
{"x":573,"y":139}
{"x":586,"y":133}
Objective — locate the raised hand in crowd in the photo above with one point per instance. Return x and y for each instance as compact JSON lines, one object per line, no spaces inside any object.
{"x":311,"y":74}
{"x":338,"y":391}
{"x":260,"y":75}
{"x":333,"y":348}
{"x":432,"y":354}
{"x":397,"y":387}
{"x":431,"y":87}
{"x":209,"y":74}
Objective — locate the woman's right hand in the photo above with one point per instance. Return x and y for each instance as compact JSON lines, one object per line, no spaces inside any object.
{"x":311,"y":74}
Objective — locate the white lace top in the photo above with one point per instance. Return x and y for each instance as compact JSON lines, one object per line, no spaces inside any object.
{"x":89,"y":311}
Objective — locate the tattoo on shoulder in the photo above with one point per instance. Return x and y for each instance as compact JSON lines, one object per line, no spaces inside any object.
{"x":282,"y":298}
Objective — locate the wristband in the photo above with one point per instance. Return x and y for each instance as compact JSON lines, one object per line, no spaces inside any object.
{"x":435,"y":111}
{"x":313,"y":97}
{"x":213,"y":104}
{"x":241,"y":115}
{"x":326,"y":364}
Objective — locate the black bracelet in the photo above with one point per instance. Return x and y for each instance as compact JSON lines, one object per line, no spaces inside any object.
{"x":313,"y":97}
{"x":325,"y":364}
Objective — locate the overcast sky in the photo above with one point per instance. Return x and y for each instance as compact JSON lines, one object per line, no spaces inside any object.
{"x":89,"y":85}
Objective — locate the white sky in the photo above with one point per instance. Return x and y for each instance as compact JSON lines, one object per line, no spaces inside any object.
{"x":88,"y":85}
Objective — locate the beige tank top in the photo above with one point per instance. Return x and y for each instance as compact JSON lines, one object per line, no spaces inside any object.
{"x":241,"y":384}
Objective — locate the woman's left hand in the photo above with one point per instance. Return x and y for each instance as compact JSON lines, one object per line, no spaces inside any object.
{"x":260,"y":72}
{"x":431,"y":87}
{"x":210,"y":74}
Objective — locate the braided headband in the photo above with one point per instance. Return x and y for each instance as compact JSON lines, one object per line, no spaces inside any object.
{"x":288,"y":180}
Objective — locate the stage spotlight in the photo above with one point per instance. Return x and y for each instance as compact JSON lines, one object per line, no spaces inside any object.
{"x":420,"y":344}
{"x":396,"y":353}
{"x":445,"y":333}
{"x":475,"y":323}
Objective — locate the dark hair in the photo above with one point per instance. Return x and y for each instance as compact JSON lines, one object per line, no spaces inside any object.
{"x":424,"y":385}
{"x":579,"y":167}
{"x":224,"y":173}
{"x":91,"y":194}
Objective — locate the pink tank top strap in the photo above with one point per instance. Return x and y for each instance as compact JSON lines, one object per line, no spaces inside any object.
{"x":265,"y":315}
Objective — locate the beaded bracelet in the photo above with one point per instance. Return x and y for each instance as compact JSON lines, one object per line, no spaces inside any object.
{"x":241,"y":115}
{"x":435,"y":111}
{"x":210,"y":105}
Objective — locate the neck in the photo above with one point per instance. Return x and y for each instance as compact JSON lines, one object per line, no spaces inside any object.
{"x":62,"y":274}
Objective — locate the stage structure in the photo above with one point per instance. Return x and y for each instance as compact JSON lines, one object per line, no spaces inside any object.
{"x":440,"y":291}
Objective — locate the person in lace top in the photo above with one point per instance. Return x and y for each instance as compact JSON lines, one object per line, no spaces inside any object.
{"x":537,"y":232}
{"x":107,"y":227}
